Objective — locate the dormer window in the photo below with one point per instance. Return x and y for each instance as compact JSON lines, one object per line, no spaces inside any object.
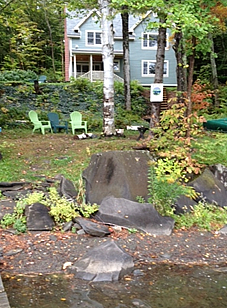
{"x":93,"y":38}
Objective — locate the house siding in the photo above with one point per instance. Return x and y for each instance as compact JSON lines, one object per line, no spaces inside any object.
{"x":137,"y":54}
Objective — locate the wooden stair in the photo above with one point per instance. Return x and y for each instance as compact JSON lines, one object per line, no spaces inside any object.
{"x":164,"y":103}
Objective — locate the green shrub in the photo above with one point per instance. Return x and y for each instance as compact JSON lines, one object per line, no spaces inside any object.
{"x":61,"y":209}
{"x":203,"y":216}
{"x":166,"y":182}
{"x":17,"y":75}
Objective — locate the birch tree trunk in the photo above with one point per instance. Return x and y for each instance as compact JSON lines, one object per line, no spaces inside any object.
{"x":214,"y":73}
{"x":107,"y":57}
{"x":126,"y":67}
{"x":190,"y":82}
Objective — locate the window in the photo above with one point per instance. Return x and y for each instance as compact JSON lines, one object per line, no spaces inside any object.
{"x":148,"y":68}
{"x":82,"y":68}
{"x":94,"y":38}
{"x":150,"y":40}
{"x":116,"y":65}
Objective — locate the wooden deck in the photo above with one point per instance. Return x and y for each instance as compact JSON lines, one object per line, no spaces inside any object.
{"x":4,"y":303}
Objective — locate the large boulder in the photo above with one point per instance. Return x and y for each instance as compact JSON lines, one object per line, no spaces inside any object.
{"x":130,"y":214}
{"x":210,"y":189}
{"x":220,"y":172}
{"x":106,"y":262}
{"x":122,"y":174}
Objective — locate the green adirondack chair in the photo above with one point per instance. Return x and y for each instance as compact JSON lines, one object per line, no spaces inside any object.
{"x":42,"y":125}
{"x":56,"y":123}
{"x":76,"y":122}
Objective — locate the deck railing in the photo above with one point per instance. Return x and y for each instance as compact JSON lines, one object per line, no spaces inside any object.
{"x":99,"y":75}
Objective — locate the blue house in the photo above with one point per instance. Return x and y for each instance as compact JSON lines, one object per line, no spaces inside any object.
{"x":83,"y":49}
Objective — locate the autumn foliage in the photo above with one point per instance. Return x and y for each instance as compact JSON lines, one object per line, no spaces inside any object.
{"x":201,"y":96}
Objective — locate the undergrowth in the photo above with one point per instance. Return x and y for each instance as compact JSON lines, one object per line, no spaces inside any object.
{"x":203,"y":216}
{"x":59,"y":207}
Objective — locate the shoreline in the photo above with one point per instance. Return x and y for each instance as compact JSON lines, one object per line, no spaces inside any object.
{"x":47,"y":252}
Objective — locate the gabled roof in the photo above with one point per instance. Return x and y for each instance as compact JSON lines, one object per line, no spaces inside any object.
{"x":75,"y":20}
{"x":85,"y":18}
{"x":139,"y":20}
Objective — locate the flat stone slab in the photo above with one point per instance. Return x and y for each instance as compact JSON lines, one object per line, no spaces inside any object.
{"x":107,"y":262}
{"x":130,"y":214}
{"x":92,"y":228}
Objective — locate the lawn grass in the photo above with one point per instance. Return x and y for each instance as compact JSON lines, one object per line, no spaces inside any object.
{"x":28,"y":156}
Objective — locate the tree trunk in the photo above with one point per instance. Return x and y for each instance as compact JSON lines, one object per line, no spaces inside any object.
{"x":190,"y":81}
{"x":159,"y":69}
{"x":51,"y":39}
{"x":126,"y":67}
{"x":107,"y":56}
{"x":214,"y":73}
{"x":160,"y":55}
{"x":180,"y":70}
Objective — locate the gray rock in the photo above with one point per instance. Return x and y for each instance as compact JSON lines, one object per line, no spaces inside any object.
{"x":81,"y":232}
{"x":38,"y":217}
{"x":223,"y":230}
{"x":210,"y":189}
{"x":142,"y":216}
{"x":6,"y":207}
{"x":122,"y":174}
{"x":92,"y":228}
{"x":67,"y":189}
{"x":12,"y":185}
{"x":107,"y":262}
{"x":67,"y":226}
{"x":184,"y":205}
{"x":16,"y":195}
{"x":220,"y":172}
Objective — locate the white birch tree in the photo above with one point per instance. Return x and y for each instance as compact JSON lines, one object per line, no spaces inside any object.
{"x":108,"y":60}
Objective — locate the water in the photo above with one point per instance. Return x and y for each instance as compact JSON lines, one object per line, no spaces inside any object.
{"x":151,"y":287}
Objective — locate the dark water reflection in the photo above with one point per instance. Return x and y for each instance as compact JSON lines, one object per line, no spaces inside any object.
{"x":151,"y":287}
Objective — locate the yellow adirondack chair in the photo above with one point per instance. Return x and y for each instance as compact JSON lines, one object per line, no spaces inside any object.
{"x":42,"y":125}
{"x":76,"y":122}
